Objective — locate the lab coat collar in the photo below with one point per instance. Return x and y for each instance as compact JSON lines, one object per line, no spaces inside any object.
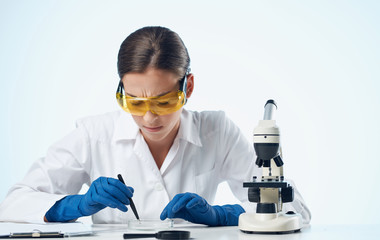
{"x":189,"y":130}
{"x":127,"y":129}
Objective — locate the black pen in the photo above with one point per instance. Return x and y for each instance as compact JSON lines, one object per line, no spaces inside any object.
{"x":132,"y":204}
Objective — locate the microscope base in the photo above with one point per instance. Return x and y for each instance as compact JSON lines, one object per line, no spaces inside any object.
{"x":270,"y":223}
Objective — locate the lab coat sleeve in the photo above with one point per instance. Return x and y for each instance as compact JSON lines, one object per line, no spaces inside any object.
{"x":298,"y":205}
{"x":239,"y":166}
{"x":61,"y":173}
{"x":237,"y":160}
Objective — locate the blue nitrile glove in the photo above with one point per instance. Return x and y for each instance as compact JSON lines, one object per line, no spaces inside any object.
{"x":103,"y":192}
{"x":194,"y":208}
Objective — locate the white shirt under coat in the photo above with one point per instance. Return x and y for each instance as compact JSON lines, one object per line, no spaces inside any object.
{"x":208,"y":149}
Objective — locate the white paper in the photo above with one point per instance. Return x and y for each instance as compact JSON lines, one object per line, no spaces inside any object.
{"x":70,"y":229}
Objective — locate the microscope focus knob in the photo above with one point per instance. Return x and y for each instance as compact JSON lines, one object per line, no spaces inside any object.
{"x":259,"y":162}
{"x":287,"y":194}
{"x":254,"y":194}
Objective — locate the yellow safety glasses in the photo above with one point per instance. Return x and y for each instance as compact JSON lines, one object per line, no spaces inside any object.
{"x":160,"y":105}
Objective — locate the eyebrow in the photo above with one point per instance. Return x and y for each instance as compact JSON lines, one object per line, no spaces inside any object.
{"x":162,"y":94}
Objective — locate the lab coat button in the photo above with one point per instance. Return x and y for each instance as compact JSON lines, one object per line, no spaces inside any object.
{"x":158,"y":187}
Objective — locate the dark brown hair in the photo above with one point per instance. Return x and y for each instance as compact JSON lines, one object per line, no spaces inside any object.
{"x":156,"y":47}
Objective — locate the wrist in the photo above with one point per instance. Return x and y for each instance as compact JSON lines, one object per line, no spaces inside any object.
{"x":228,"y":215}
{"x":64,"y":210}
{"x":219,"y":216}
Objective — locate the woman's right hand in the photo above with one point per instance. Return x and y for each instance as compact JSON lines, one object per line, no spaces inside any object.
{"x":103,"y":192}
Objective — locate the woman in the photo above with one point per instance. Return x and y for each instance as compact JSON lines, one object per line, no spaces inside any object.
{"x":173,"y":158}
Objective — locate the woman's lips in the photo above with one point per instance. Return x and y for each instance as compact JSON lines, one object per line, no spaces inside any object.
{"x":152,"y":129}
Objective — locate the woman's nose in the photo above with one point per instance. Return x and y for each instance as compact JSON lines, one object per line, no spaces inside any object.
{"x":150,"y":117}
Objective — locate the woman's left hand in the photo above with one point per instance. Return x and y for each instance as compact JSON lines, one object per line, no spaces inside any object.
{"x":191,"y":207}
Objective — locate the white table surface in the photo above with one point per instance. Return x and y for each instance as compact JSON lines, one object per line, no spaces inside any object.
{"x":320,"y":232}
{"x":317,"y":232}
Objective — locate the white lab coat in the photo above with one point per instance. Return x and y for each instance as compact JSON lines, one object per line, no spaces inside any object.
{"x":207,"y":150}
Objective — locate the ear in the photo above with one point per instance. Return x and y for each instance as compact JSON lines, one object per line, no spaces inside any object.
{"x":190,"y":85}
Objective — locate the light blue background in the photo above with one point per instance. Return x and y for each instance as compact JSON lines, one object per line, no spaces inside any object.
{"x":318,"y":59}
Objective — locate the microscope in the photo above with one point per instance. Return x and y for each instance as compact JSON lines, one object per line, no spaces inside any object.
{"x":271,"y":191}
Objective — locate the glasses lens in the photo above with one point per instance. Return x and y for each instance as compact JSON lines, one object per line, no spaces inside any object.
{"x":161,"y":105}
{"x":137,"y":106}
{"x":168,"y":103}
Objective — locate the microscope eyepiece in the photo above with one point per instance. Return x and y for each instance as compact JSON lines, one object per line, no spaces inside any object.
{"x":270,"y":108}
{"x":270,"y":101}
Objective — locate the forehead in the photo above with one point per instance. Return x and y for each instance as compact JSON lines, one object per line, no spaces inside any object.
{"x":152,"y":82}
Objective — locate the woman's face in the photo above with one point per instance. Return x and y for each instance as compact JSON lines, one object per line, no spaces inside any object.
{"x":154,"y":82}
